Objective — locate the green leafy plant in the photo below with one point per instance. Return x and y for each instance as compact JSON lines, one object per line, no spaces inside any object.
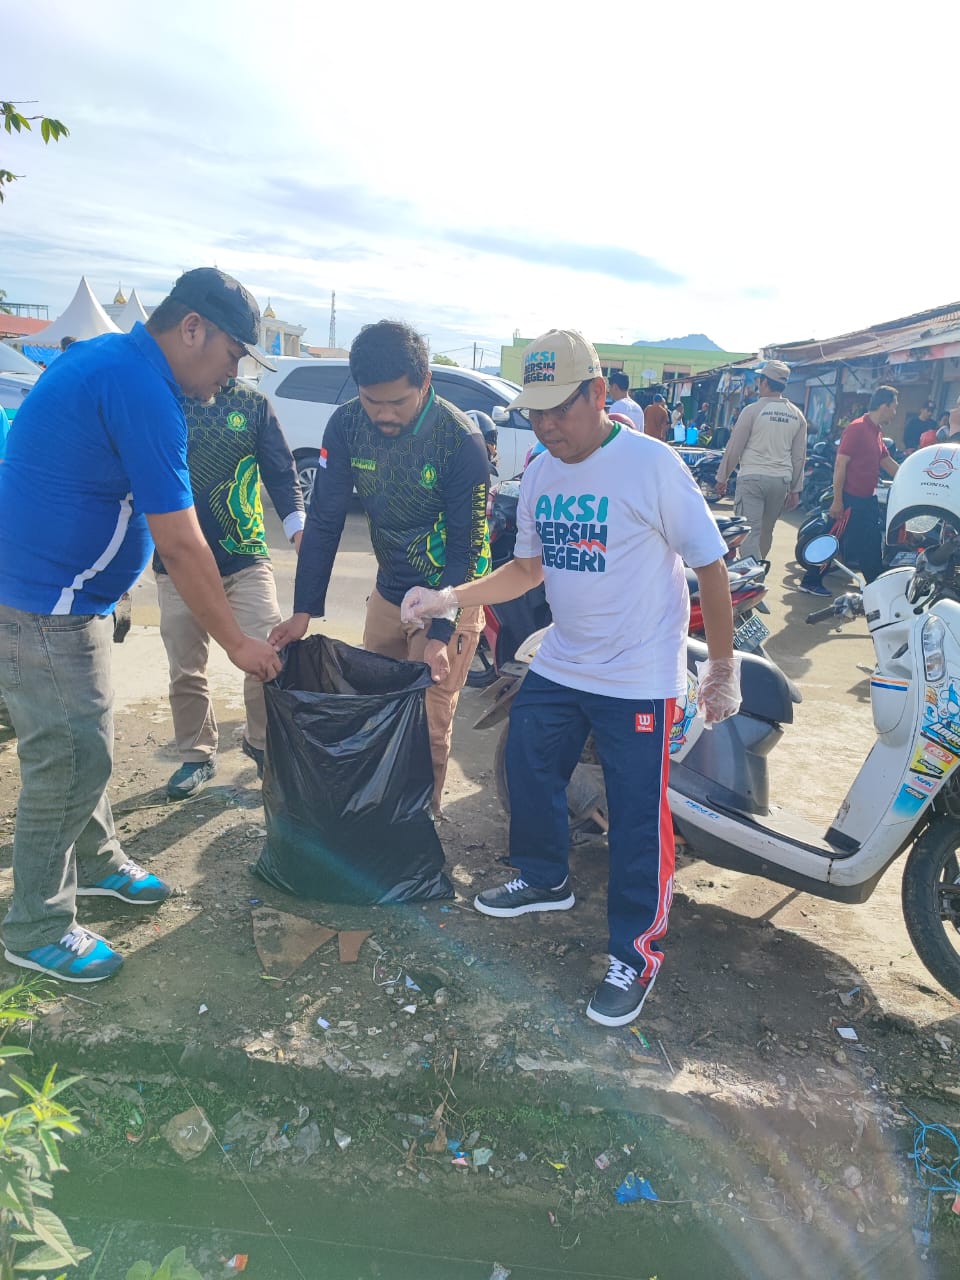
{"x":15,"y":121}
{"x":174,"y":1267}
{"x":32,"y":1126}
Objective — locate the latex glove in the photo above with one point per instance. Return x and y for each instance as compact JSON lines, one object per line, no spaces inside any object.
{"x":420,"y":603}
{"x":718,"y":696}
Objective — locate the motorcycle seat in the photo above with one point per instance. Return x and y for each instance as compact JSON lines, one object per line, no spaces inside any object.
{"x":766,"y":692}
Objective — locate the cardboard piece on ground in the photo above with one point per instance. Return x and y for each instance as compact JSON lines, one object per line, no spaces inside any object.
{"x":284,"y":942}
{"x":350,"y":941}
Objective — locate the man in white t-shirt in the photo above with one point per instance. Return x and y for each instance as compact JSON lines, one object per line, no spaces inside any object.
{"x":605,"y":520}
{"x":622,"y":400}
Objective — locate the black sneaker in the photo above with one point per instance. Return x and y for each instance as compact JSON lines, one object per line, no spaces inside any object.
{"x":253,"y":753}
{"x":516,"y":898}
{"x":814,"y":589}
{"x":190,"y":778}
{"x":619,"y":997}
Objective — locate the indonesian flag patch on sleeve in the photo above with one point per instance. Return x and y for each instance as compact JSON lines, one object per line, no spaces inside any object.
{"x":323,"y":458}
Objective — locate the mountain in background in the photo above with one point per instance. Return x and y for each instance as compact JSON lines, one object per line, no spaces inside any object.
{"x":692,"y":342}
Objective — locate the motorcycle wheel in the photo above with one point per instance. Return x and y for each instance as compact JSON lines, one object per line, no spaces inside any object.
{"x":482,"y":672}
{"x":584,"y":777}
{"x":930,"y":896}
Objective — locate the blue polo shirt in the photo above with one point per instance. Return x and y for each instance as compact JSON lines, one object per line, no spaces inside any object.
{"x":99,"y":442}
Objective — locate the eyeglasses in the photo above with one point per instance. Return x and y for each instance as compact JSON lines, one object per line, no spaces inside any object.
{"x":558,"y":412}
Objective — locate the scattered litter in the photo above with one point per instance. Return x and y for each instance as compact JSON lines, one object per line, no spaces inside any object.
{"x":237,"y":1263}
{"x":284,"y":942}
{"x":322,"y":1022}
{"x":461,"y":1161}
{"x":498,"y":1272}
{"x":203,"y":1009}
{"x":556,"y":1165}
{"x":938,"y":1170}
{"x":188,"y":1133}
{"x":410,"y":984}
{"x":633,"y":1188}
{"x":481,"y":1156}
{"x":635,"y":1031}
{"x":337,"y":1062}
{"x":521,"y":1156}
{"x":306,"y":1143}
{"x":409,"y":1008}
{"x":602,"y":1161}
{"x":847,"y":998}
{"x":666,"y":1058}
{"x":945,"y":1043}
{"x":852,"y":1177}
{"x":847,"y":1033}
{"x":552,"y":1217}
{"x":955,"y":1207}
{"x":244,"y":1127}
{"x":473,"y":1139}
{"x":342,"y":1139}
{"x":350,"y":941}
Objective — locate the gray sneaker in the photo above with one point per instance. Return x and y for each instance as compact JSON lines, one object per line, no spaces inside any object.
{"x":190,"y":778}
{"x":517,"y":898}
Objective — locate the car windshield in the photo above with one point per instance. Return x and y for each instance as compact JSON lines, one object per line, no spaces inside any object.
{"x":509,"y":390}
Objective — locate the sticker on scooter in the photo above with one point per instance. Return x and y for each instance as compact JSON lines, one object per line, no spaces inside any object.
{"x":921,"y":763}
{"x":909,"y":802}
{"x":929,"y":785}
{"x":938,"y":753}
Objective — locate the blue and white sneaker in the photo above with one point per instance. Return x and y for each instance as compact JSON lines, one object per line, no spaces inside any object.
{"x":79,"y":956}
{"x":130,"y":883}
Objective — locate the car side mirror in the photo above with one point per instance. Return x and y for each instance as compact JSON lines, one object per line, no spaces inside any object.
{"x":500,"y":415}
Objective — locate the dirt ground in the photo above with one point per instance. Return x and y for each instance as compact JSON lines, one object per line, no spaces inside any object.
{"x":738,"y":1046}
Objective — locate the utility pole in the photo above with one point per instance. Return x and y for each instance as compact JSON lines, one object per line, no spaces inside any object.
{"x":332,"y":338}
{"x":474,"y":365}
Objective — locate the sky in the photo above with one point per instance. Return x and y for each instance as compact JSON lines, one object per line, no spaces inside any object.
{"x":756,"y":172}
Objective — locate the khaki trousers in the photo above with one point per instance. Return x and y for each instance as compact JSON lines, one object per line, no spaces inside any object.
{"x":252,"y":595}
{"x":384,"y":633}
{"x":760,"y":501}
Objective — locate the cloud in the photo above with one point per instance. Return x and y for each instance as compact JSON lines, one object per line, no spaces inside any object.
{"x":607,"y":260}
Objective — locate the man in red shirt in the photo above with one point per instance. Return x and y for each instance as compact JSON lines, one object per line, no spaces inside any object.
{"x":860,"y":458}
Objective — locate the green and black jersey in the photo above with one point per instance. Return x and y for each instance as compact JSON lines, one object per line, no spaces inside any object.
{"x":233,"y":441}
{"x":424,"y":493}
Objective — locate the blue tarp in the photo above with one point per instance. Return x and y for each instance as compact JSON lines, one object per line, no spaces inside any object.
{"x":42,"y":355}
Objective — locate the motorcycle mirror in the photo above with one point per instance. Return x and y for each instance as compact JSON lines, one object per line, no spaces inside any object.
{"x":819,"y":550}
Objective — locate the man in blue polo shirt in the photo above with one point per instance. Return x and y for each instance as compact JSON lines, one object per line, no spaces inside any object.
{"x":95,"y":474}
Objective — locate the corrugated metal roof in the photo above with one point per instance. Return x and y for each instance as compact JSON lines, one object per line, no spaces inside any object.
{"x":890,"y":335}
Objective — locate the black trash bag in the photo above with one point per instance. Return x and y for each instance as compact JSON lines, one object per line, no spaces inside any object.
{"x":348,"y":778}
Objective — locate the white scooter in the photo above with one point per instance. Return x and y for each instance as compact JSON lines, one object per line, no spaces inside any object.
{"x":907,"y":793}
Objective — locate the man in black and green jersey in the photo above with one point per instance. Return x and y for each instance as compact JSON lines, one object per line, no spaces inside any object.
{"x":420,"y":469}
{"x":232,"y":441}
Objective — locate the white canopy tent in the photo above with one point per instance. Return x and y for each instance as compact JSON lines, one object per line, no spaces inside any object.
{"x":83,"y":318}
{"x":133,"y":313}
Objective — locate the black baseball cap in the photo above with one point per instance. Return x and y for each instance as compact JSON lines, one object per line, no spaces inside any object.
{"x":227,"y":304}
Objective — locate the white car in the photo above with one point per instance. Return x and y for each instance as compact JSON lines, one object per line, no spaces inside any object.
{"x":305,"y":391}
{"x":17,"y":378}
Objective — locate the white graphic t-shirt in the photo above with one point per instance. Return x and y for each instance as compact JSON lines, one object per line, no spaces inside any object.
{"x":613,"y":532}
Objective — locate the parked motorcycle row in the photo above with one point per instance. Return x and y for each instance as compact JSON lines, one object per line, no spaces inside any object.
{"x":905,"y":799}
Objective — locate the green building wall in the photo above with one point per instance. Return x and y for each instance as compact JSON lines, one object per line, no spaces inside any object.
{"x":635,"y":361}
